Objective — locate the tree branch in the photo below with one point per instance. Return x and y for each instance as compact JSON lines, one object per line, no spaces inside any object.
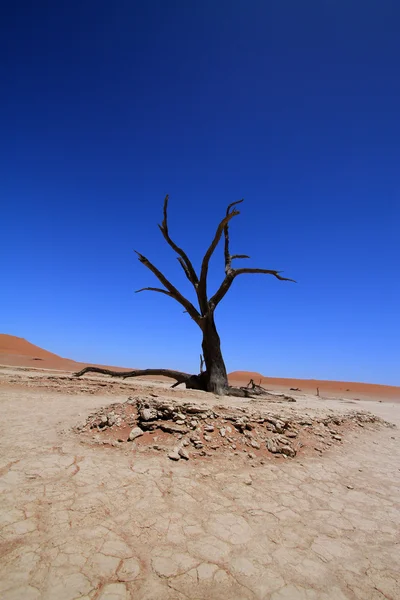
{"x":177,"y":375}
{"x":153,"y":289}
{"x":232,"y":273}
{"x":228,"y":257}
{"x":184,"y":259}
{"x":239,"y":256}
{"x":173,"y":292}
{"x":202,"y":291}
{"x":192,"y":382}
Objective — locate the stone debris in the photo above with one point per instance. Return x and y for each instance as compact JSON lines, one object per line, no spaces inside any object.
{"x":183,"y":453}
{"x":135,"y":433}
{"x":174,"y":455}
{"x":174,"y":426}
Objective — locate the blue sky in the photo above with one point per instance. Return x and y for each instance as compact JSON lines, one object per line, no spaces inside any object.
{"x":106,"y":107}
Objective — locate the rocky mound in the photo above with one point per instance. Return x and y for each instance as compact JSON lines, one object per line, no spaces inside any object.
{"x":185,"y":430}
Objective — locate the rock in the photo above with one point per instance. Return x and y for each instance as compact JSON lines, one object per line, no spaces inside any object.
{"x":111,"y":419}
{"x":209,"y":428}
{"x":255,"y":444}
{"x":291,"y":434}
{"x":196,"y":410}
{"x":280,"y":426}
{"x":103,"y":421}
{"x":337,"y":437}
{"x":183,"y":454}
{"x":350,"y":487}
{"x":207,"y":438}
{"x":148,"y":414}
{"x":248,"y":480}
{"x":240,"y":425}
{"x":149,"y":425}
{"x":172,"y":428}
{"x":288,"y":451}
{"x":193,"y":424}
{"x":251,"y":455}
{"x":174,"y":455}
{"x":222,"y":432}
{"x":271,"y":445}
{"x":185,"y":443}
{"x":180,"y":422}
{"x":135,"y":433}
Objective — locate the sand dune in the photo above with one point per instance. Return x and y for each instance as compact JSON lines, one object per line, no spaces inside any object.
{"x":344,"y":389}
{"x":18,"y":352}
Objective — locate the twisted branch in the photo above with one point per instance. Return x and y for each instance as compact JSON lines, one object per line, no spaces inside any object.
{"x":177,"y":375}
{"x":202,"y":290}
{"x":183,"y":259}
{"x":171,"y":289}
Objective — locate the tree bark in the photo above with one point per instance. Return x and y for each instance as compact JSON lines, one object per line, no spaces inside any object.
{"x":216,"y":375}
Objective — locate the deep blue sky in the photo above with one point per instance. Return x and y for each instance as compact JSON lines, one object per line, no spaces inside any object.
{"x":106,"y":107}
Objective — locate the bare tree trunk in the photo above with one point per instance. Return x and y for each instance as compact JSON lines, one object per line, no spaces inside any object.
{"x":217,"y":379}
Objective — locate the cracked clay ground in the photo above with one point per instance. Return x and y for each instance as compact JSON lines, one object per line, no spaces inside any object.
{"x":90,"y":522}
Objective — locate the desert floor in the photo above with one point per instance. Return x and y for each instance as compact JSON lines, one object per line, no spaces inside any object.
{"x":86,"y":520}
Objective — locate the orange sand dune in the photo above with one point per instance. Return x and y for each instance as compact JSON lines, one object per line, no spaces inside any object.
{"x":344,"y":389}
{"x":18,"y":352}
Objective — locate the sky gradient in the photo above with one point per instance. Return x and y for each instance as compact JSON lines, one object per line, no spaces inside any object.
{"x":106,"y":107}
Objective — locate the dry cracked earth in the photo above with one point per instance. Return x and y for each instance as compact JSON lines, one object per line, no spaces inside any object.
{"x":85,"y":516}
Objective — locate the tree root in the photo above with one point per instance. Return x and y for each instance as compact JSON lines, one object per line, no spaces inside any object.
{"x":193,"y":382}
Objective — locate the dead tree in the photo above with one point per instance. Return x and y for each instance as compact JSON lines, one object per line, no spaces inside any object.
{"x":214,"y":377}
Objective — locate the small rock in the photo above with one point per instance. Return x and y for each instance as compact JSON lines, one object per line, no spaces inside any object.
{"x":350,"y":487}
{"x":180,"y":422}
{"x":209,"y":428}
{"x":185,"y":443}
{"x":135,"y":433}
{"x":172,"y":428}
{"x":251,"y":455}
{"x":174,"y":455}
{"x":248,"y":481}
{"x":255,"y":444}
{"x":148,"y":414}
{"x":111,"y":419}
{"x":207,"y":438}
{"x":271,"y":446}
{"x":291,"y":434}
{"x":337,"y":437}
{"x":183,"y":454}
{"x":193,"y":424}
{"x":288,"y":451}
{"x":222,"y":432}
